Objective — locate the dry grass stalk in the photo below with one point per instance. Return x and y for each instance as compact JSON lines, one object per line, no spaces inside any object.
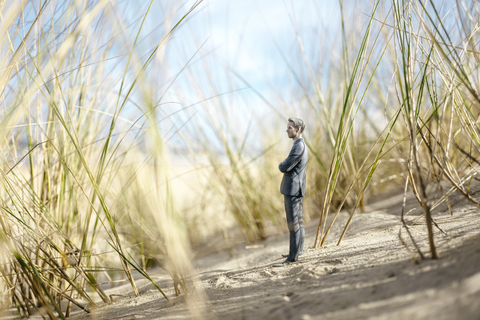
{"x":59,"y":187}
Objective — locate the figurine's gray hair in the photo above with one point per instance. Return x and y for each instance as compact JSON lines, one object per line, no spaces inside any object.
{"x":298,"y":123}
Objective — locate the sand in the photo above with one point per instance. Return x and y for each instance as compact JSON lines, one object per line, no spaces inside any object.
{"x":371,"y":275}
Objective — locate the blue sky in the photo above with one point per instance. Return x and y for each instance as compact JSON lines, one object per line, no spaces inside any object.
{"x":252,"y":40}
{"x":244,"y":31}
{"x":231,"y":43}
{"x":248,"y":35}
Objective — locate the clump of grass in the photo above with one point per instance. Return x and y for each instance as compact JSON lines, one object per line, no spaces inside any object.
{"x":66,"y":140}
{"x":436,"y":99}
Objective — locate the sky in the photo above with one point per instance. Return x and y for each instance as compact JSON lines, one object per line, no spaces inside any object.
{"x":249,"y":35}
{"x":246,"y":57}
{"x":245,"y":32}
{"x":248,"y":46}
{"x":254,"y":46}
{"x":251,"y":60}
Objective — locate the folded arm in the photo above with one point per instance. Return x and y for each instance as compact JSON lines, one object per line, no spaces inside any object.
{"x":293,"y":158}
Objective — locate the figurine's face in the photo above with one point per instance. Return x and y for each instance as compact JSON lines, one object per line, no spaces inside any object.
{"x":292,"y":131}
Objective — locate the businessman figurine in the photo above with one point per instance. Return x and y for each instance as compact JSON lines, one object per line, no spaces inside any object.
{"x":293,"y":188}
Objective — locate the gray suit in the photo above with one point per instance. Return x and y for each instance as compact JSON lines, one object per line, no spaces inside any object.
{"x":293,"y":189}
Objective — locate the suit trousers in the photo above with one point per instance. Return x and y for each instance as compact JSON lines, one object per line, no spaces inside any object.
{"x":294,"y":211}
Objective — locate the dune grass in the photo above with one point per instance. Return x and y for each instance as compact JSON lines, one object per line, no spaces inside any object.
{"x":69,"y":72}
{"x":435,"y":98}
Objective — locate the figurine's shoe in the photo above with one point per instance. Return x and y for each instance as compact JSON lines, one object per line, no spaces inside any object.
{"x":286,"y":255}
{"x":283,"y":264}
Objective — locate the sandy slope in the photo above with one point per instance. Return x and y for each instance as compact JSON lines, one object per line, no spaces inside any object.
{"x":371,"y":275}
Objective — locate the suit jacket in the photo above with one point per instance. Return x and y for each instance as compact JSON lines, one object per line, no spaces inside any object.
{"x":294,"y":170}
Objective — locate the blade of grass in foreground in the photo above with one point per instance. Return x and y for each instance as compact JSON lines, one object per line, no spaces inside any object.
{"x":343,"y":132}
